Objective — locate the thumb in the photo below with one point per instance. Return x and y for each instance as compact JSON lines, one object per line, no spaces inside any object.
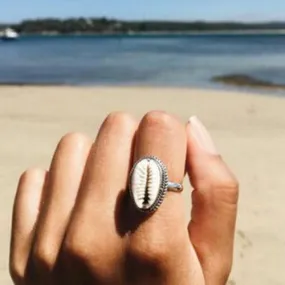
{"x":214,"y":204}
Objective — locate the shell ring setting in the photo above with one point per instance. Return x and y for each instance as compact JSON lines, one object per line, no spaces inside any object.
{"x":149,"y":183}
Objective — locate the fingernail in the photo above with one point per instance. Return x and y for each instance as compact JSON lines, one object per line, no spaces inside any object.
{"x":202,"y":136}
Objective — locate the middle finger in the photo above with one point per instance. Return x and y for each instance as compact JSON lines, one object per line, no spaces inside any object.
{"x":94,"y":234}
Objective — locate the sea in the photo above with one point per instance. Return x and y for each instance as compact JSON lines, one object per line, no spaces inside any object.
{"x":142,"y":60}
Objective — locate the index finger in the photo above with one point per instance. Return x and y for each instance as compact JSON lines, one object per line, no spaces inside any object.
{"x":214,"y":200}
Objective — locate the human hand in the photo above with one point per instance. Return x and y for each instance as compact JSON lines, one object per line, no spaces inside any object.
{"x":75,"y":224}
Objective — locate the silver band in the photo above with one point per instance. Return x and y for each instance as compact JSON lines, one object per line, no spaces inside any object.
{"x":175,"y":187}
{"x":149,"y":184}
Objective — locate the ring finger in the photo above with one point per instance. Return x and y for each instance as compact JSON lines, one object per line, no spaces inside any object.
{"x":161,"y":239}
{"x":58,"y":200}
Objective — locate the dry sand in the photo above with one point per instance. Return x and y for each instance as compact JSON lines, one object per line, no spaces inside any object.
{"x":249,"y":131}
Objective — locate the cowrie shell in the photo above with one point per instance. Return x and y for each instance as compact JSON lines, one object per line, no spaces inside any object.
{"x":148,"y":184}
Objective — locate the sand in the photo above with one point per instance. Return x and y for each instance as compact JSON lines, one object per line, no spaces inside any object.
{"x":249,"y":131}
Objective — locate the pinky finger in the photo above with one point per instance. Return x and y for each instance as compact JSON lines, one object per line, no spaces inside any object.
{"x":25,"y":213}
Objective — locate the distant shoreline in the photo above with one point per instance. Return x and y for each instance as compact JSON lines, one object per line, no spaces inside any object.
{"x":102,"y":25}
{"x":166,"y":33}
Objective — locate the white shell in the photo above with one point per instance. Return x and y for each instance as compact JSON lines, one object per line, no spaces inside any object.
{"x":146,"y":183}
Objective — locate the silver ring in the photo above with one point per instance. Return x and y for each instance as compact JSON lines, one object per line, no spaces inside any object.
{"x":149,"y":183}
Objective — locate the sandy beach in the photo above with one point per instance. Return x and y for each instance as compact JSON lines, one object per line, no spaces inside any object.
{"x":249,"y":131}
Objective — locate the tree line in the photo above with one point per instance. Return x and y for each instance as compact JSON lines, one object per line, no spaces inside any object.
{"x":104,"y":25}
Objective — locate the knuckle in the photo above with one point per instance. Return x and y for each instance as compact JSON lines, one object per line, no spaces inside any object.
{"x":229,"y":182}
{"x":228,"y":189}
{"x":76,"y":251}
{"x":43,"y":257}
{"x":74,"y":139}
{"x":226,"y":184}
{"x":120,"y":120}
{"x":150,"y":252}
{"x":74,"y":248}
{"x":220,"y":184}
{"x":17,"y":273}
{"x":158,"y":118}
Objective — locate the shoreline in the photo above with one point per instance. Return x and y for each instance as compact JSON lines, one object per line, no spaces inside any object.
{"x":238,"y":83}
{"x":164,"y":33}
{"x":220,"y":90}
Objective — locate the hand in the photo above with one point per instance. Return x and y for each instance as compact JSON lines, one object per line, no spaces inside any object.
{"x":75,"y":225}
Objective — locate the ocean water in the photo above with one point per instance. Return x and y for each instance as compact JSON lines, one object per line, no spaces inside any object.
{"x":184,"y":60}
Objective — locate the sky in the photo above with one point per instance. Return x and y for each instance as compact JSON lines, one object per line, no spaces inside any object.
{"x":211,"y":10}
